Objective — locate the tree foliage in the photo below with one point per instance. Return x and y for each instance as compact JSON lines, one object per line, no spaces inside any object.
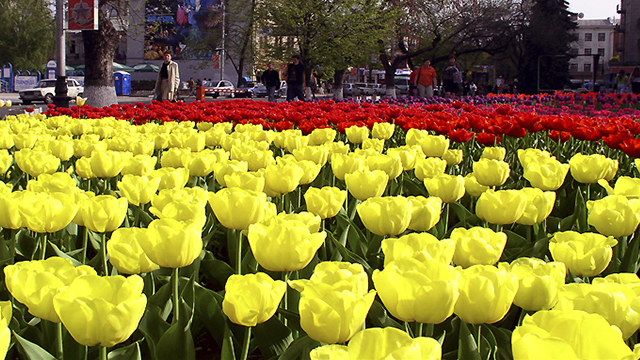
{"x":27,"y":33}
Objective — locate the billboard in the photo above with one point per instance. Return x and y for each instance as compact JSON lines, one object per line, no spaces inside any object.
{"x":83,"y":15}
{"x":174,"y":24}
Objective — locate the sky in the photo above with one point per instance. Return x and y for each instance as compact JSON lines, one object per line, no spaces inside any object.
{"x":595,"y":9}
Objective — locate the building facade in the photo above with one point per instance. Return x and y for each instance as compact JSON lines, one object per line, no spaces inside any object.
{"x":593,"y":37}
{"x":629,"y":30}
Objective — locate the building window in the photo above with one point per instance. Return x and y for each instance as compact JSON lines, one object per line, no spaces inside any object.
{"x":588,"y":36}
{"x":601,"y":36}
{"x":573,"y":67}
{"x":573,"y":51}
{"x":587,"y":51}
{"x":587,"y":67}
{"x":601,"y":52}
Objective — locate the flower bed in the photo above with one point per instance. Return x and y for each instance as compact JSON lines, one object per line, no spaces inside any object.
{"x":500,"y":227}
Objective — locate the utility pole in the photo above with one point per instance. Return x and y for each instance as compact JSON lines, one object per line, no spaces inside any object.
{"x":224,"y":28}
{"x":61,"y":99}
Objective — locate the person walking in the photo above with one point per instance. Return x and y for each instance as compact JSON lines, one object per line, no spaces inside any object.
{"x":168,"y":80}
{"x":192,"y":87}
{"x":295,"y":79}
{"x":271,"y":79}
{"x":413,"y":80}
{"x":448,"y":82}
{"x":426,"y":79}
{"x":634,"y":81}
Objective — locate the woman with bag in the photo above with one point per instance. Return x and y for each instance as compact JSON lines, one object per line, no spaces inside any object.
{"x":168,"y":81}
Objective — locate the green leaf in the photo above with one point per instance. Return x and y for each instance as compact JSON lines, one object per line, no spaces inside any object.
{"x":228,"y":344}
{"x":177,"y":342}
{"x":300,"y":349}
{"x":503,"y":342}
{"x":130,"y":352}
{"x":272,"y":337}
{"x":30,"y":350}
{"x":64,"y":255}
{"x":379,"y":316}
{"x":467,"y":346}
{"x":153,"y":327}
{"x":208,"y":308}
{"x":216,"y":270}
{"x":26,"y":244}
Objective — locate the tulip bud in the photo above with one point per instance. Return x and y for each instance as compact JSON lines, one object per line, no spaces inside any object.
{"x":365,"y":184}
{"x":429,"y":168}
{"x":103,"y":213}
{"x":453,"y":156}
{"x":357,"y":134}
{"x":425,"y":212}
{"x":345,"y":164}
{"x":491,"y":172}
{"x":449,"y":188}
{"x":494,"y":153}
{"x":236,"y":208}
{"x":325,"y":202}
{"x":321,"y":136}
{"x":538,"y":207}
{"x":171,"y":244}
{"x":383,"y":130}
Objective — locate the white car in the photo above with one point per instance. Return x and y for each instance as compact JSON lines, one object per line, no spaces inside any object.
{"x":46,"y":90}
{"x":365,"y":89}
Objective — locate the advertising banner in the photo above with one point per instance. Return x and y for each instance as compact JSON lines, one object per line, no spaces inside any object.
{"x":82,"y":15}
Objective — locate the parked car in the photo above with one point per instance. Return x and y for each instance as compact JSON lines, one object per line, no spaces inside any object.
{"x":350,"y":90}
{"x":261,"y":90}
{"x":226,"y":88}
{"x":46,"y":90}
{"x":402,"y":84}
{"x":378,"y":89}
{"x":365,"y":89}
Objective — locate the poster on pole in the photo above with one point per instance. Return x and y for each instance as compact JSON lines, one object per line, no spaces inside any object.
{"x":82,"y":15}
{"x":173,"y":25}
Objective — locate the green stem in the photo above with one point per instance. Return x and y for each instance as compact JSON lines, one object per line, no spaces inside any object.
{"x":446,"y":220}
{"x":245,"y":343}
{"x":418,"y":330}
{"x":60,"y":348}
{"x":175,"y":280}
{"x":479,"y":339}
{"x":43,"y":245}
{"x":285,"y":298}
{"x":85,"y":242}
{"x":239,"y":254}
{"x":103,"y":353}
{"x":103,"y":254}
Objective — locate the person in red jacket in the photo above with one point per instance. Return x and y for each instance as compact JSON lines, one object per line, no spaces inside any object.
{"x":426,"y":79}
{"x":413,"y":88}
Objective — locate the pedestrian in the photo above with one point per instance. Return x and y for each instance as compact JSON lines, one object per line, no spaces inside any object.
{"x":413,"y":81}
{"x":271,"y":79}
{"x":295,"y":79}
{"x":168,"y":80}
{"x":426,"y":79}
{"x":451,"y":69}
{"x":634,"y":80}
{"x":192,"y":87}
{"x":621,"y":81}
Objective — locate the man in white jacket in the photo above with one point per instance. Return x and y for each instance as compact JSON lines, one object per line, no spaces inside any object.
{"x":168,"y":80}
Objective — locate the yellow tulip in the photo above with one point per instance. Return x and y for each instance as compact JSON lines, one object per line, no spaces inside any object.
{"x":252,"y":181}
{"x":282,"y":178}
{"x":585,"y":254}
{"x":617,"y":303}
{"x":191,"y":195}
{"x":63,"y":150}
{"x":139,"y":165}
{"x":489,"y":172}
{"x":391,"y":165}
{"x":626,"y":186}
{"x":385,"y":215}
{"x":170,"y":243}
{"x":525,"y":156}
{"x":383,"y":130}
{"x":284,"y":245}
{"x":142,"y":147}
{"x":35,"y":283}
{"x":345,"y":164}
{"x":425,"y":212}
{"x":138,"y":189}
{"x":171,"y":178}
{"x":366,"y":184}
{"x":317,"y":154}
{"x":423,"y":291}
{"x":570,"y":334}
{"x":539,"y":206}
{"x":47,"y":213}
{"x":477,"y":246}
{"x":53,"y":183}
{"x":252,"y":299}
{"x":228,"y":167}
{"x":106,"y":164}
{"x":321,"y":136}
{"x":126,"y":254}
{"x":103,"y":213}
{"x":35,"y":162}
{"x":236,"y":208}
{"x":325,"y":202}
{"x":449,"y":188}
{"x":6,"y":160}
{"x":453,"y":156}
{"x":501,"y":207}
{"x":357,"y":134}
{"x":614,"y":215}
{"x":310,"y":171}
{"x":6,"y":314}
{"x":419,"y":246}
{"x":101,"y":311}
{"x":375,"y":145}
{"x":589,"y":169}
{"x":10,"y":216}
{"x":472,"y":186}
{"x":174,"y":157}
{"x":494,"y":153}
{"x":381,"y":344}
{"x":432,"y":145}
{"x":547,"y":174}
{"x":429,"y":168}
{"x":486,"y":294}
{"x":408,"y":155}
{"x":539,"y":282}
{"x":188,"y":213}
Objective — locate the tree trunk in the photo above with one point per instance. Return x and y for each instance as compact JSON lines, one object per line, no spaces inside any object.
{"x":338,"y":80}
{"x":100,"y":47}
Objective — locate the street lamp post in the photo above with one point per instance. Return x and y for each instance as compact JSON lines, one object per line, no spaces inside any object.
{"x":222,"y":58}
{"x":61,"y":99}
